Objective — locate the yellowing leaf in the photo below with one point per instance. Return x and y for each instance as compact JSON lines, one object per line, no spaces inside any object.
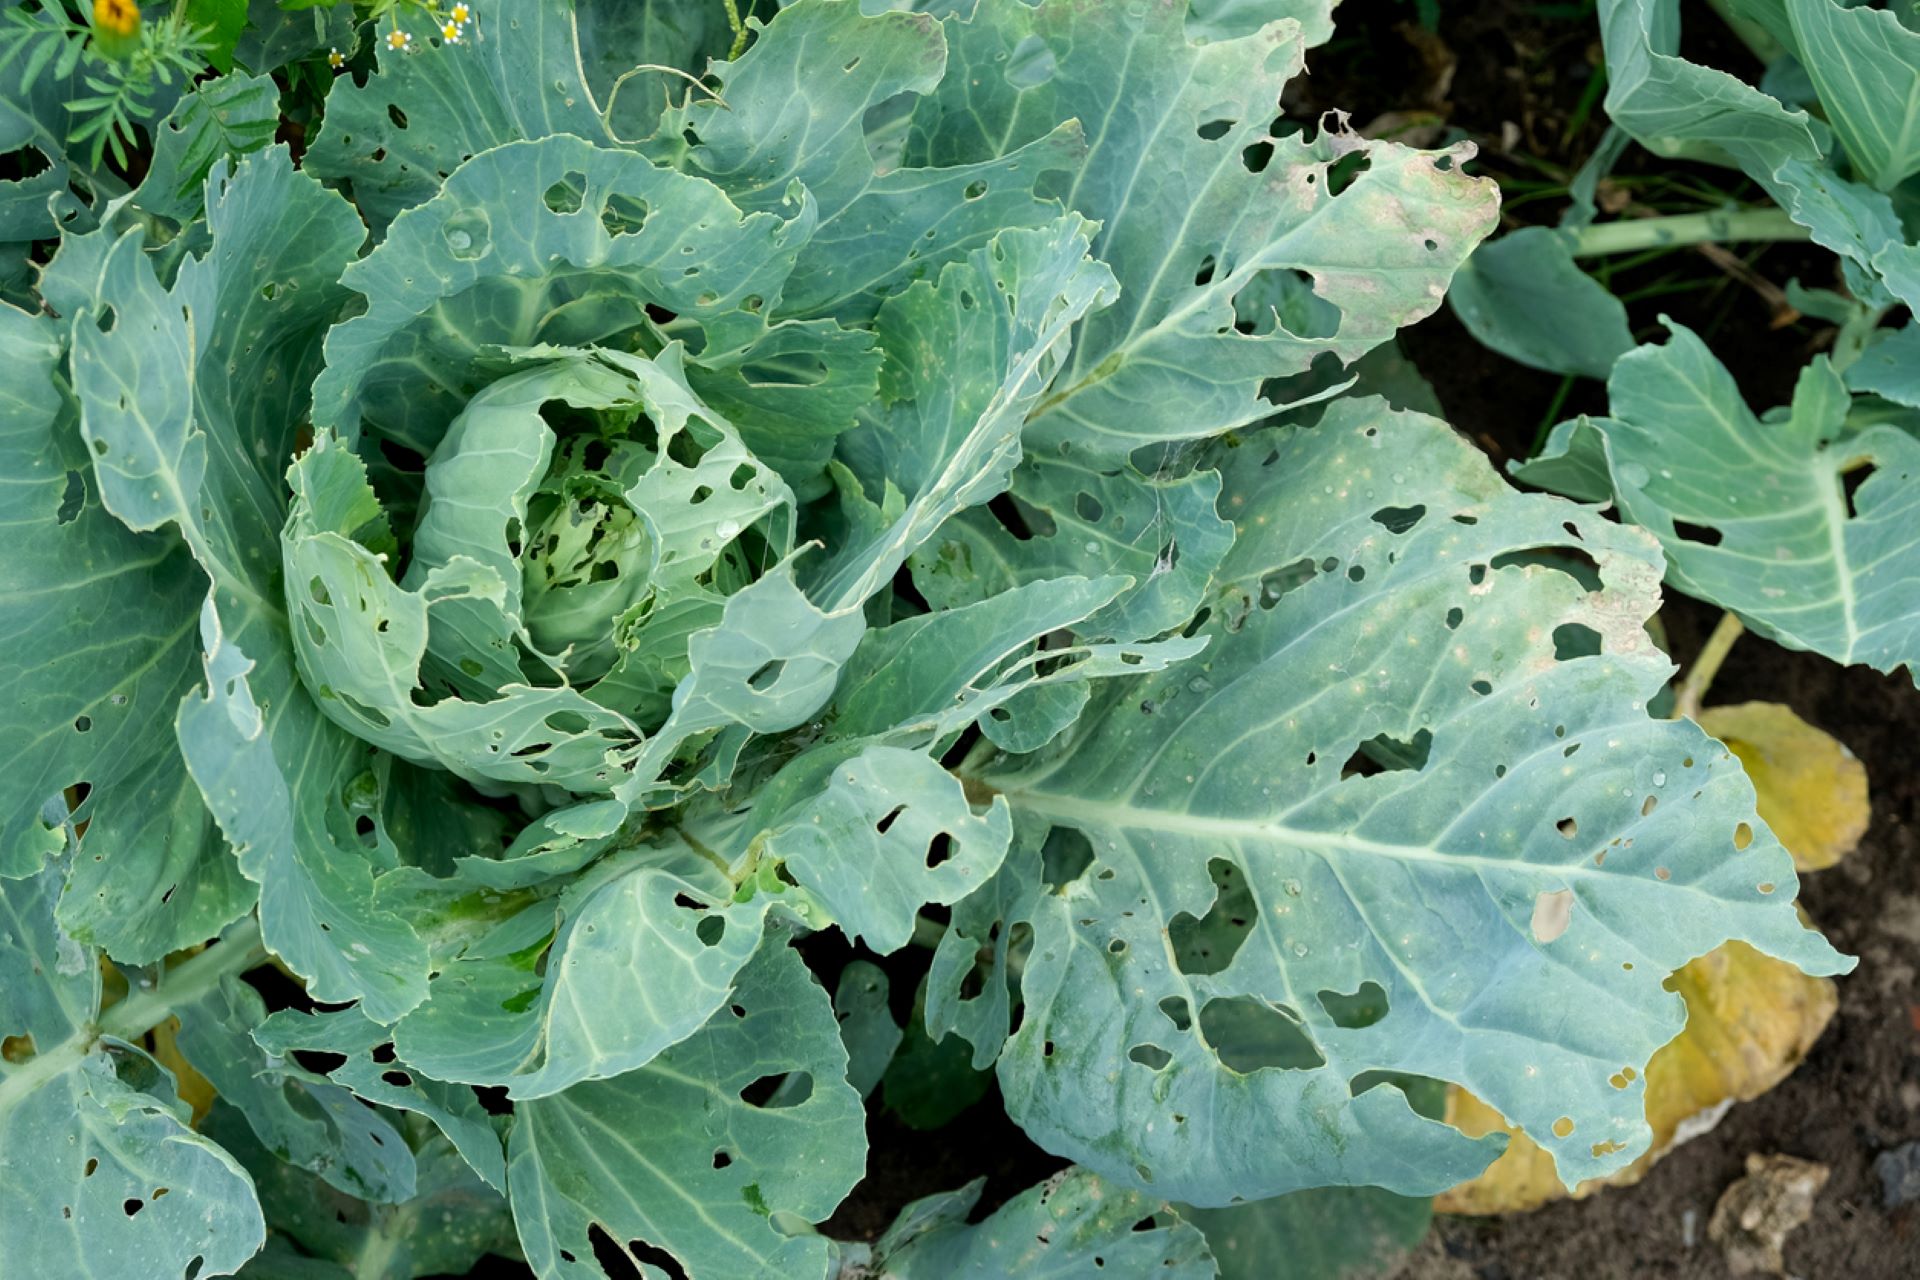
{"x":1750,"y":1019}
{"x":1813,"y":792}
{"x":194,"y":1089}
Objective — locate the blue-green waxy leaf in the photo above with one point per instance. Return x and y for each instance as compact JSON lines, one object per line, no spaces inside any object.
{"x":1071,"y":1225}
{"x":1758,"y":516}
{"x":1331,"y":1233}
{"x":795,"y":103}
{"x":516,"y":76}
{"x":1165,"y":532}
{"x":770,"y":663}
{"x":689,"y":1156}
{"x":555,"y":241}
{"x":1251,"y":906}
{"x":978,"y":949}
{"x":1523,"y":296}
{"x":1890,"y":368}
{"x":100,"y":1173}
{"x":657,"y":932}
{"x":1677,"y":108}
{"x":1865,"y":66}
{"x":932,"y":672}
{"x":1196,"y":204}
{"x":97,"y":712}
{"x":629,"y":50}
{"x":293,"y":829}
{"x":321,"y":1233}
{"x":892,"y":832}
{"x":453,"y":1108}
{"x":881,"y":225}
{"x":190,"y":401}
{"x":968,"y":359}
{"x":431,"y":667}
{"x":867,"y":1027}
{"x":300,"y":1117}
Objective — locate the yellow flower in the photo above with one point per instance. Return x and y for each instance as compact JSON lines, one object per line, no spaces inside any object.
{"x":461,"y":14}
{"x":336,"y":59}
{"x":450,"y":32}
{"x":116,"y":17}
{"x":399,"y":40}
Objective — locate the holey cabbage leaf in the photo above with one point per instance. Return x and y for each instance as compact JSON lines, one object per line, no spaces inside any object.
{"x":1805,"y":526}
{"x":1270,"y":926}
{"x":501,"y":604}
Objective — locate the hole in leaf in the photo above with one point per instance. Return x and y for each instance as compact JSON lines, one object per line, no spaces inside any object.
{"x":1575,"y":640}
{"x":886,"y":820}
{"x":784,"y":1089}
{"x":1250,"y":1035}
{"x":939,"y":849}
{"x":710,"y":930}
{"x":1065,"y":856}
{"x":1178,"y":1011}
{"x":1850,"y":482}
{"x":1385,"y":754}
{"x":1283,"y":298}
{"x":1568,"y":827}
{"x":721,"y":1159}
{"x":1742,"y":836}
{"x":1705,"y":535}
{"x":1207,"y":945}
{"x":1361,"y":1009}
{"x":566,"y":195}
{"x":1214,"y":130}
{"x":72,"y":499}
{"x":1281,"y":581}
{"x":1151,"y":1056}
{"x":1399,"y":519}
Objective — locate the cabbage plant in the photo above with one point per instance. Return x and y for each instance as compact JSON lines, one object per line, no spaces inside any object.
{"x":532,"y":583}
{"x":1799,"y":520}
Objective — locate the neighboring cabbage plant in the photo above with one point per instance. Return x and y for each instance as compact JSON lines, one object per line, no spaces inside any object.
{"x":533,"y":598}
{"x":1800,"y":521}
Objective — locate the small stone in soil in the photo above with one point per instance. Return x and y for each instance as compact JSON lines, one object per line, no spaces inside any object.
{"x":1756,"y":1214}
{"x":1899,"y":1171}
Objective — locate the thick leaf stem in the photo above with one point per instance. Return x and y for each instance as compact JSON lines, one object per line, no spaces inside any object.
{"x":1850,"y":343}
{"x":1699,"y":678}
{"x":1633,"y":235}
{"x":142,"y":1011}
